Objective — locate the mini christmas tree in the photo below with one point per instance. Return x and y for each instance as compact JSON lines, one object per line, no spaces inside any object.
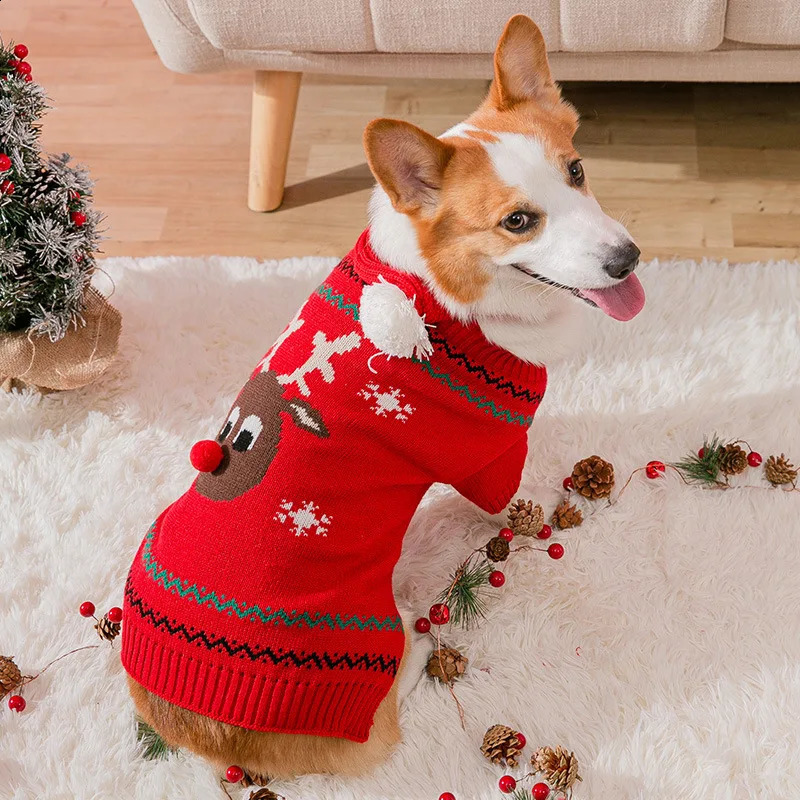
{"x":48,"y":236}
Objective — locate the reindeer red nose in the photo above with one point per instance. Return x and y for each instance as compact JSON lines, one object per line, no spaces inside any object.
{"x":206,"y":455}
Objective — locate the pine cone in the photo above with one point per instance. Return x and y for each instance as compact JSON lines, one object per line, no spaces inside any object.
{"x":264,"y":794}
{"x":446,"y":664}
{"x":501,"y":746}
{"x":567,"y":515}
{"x":732,"y":459}
{"x":593,"y":477}
{"x":10,"y":676}
{"x":254,"y":779}
{"x":525,"y":518}
{"x":779,"y":470}
{"x":41,"y":185}
{"x":497,"y":549}
{"x":106,"y":629}
{"x":559,"y":767}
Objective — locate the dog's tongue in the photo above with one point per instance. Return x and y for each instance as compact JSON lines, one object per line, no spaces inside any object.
{"x":623,"y":301}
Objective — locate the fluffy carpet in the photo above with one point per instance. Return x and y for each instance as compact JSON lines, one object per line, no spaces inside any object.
{"x":664,"y":648}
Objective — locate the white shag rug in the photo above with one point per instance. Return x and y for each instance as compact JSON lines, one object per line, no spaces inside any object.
{"x":664,"y":648}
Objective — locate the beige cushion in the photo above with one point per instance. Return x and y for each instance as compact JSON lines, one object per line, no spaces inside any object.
{"x":183,"y":45}
{"x":453,"y":26}
{"x":334,"y":26}
{"x":594,"y":26}
{"x":764,"y":22}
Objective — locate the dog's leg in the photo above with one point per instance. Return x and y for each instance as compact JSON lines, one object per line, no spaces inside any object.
{"x":415,"y":659}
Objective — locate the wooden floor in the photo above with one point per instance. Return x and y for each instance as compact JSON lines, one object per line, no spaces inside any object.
{"x":693,"y":170}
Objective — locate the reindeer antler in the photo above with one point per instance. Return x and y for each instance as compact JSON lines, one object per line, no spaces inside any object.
{"x":293,"y":326}
{"x":320,"y":359}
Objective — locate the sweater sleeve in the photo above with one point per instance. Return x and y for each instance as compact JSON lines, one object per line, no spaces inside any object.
{"x":492,"y":487}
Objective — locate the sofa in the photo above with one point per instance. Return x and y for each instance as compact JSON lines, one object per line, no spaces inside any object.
{"x":608,"y":40}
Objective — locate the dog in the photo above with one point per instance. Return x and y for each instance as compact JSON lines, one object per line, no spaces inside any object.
{"x":260,"y":626}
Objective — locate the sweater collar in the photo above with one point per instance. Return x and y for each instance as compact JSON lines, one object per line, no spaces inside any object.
{"x":466,"y":336}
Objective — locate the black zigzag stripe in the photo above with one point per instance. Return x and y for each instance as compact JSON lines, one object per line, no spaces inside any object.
{"x":477,"y":369}
{"x":279,"y":657}
{"x":346,"y":266}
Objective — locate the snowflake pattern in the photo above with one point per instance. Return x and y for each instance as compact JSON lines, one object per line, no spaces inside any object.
{"x":303,"y":518}
{"x":387,"y":402}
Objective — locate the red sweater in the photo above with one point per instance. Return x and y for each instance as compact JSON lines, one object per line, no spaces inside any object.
{"x":263,"y":596}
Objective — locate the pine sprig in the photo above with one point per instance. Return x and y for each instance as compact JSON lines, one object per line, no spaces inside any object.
{"x":521,"y":793}
{"x":702,"y":469}
{"x":153,"y":746}
{"x":463,"y":594}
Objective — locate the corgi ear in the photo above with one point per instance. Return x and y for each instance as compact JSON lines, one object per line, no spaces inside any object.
{"x":521,"y":70}
{"x":407,"y":162}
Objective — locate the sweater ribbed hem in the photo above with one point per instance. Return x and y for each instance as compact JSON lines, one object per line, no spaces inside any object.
{"x":300,"y":705}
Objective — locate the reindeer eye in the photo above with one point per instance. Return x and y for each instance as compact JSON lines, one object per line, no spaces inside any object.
{"x":228,"y":426}
{"x":248,"y":433}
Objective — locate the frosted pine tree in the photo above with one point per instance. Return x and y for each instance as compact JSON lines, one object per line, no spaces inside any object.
{"x":48,"y":231}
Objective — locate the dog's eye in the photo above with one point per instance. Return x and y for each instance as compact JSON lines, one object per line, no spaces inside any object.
{"x":519,"y":221}
{"x":576,"y":175}
{"x":248,"y":433}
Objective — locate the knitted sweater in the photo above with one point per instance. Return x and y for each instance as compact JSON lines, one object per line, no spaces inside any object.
{"x":262,"y":597}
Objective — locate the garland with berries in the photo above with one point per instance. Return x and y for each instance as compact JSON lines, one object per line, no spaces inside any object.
{"x":463,"y":602}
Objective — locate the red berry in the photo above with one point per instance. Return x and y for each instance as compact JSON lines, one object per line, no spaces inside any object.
{"x":12,"y":63}
{"x":507,"y":784}
{"x":5,"y":162}
{"x":540,"y":791}
{"x":78,"y":218}
{"x":521,"y":740}
{"x":16,"y":703}
{"x":206,"y":455}
{"x":657,"y":465}
{"x":506,"y":533}
{"x":23,"y":68}
{"x":6,"y":187}
{"x":497,"y":579}
{"x":234,"y":774}
{"x":27,"y":78}
{"x":20,"y":51}
{"x":555,"y":550}
{"x":567,"y":484}
{"x":754,"y":459}
{"x":439,"y":614}
{"x":422,"y":625}
{"x":651,"y":472}
{"x":447,"y":796}
{"x":546,"y":532}
{"x":73,"y":195}
{"x":87,"y":609}
{"x":701,"y":453}
{"x":115,"y":614}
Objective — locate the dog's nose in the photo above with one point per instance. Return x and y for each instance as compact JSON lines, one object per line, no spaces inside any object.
{"x":622,"y":260}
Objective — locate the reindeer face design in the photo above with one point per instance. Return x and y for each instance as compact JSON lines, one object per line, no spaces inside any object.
{"x":250,"y":436}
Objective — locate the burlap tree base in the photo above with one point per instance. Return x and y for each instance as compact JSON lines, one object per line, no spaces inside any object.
{"x":81,"y":356}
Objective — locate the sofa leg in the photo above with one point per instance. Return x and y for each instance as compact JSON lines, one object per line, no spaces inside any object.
{"x":274,"y":105}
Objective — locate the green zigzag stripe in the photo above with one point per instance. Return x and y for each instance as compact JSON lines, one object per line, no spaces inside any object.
{"x":266,"y":615}
{"x":476,"y":399}
{"x":329,"y":296}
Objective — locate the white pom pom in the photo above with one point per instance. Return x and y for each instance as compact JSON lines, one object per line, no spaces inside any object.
{"x":391,"y":322}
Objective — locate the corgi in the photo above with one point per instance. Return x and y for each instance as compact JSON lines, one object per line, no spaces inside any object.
{"x":491,"y":231}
